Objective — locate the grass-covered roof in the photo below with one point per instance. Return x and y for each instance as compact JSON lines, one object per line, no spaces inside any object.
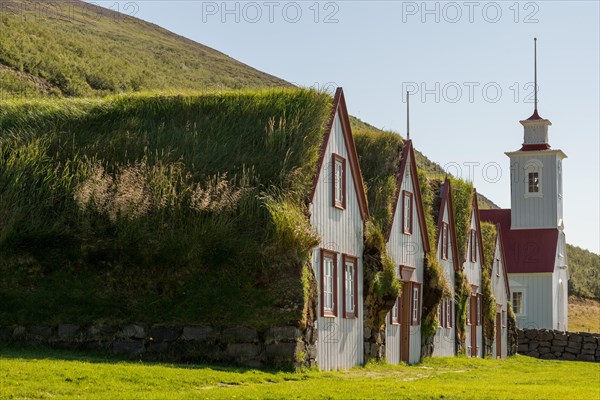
{"x":157,"y":207}
{"x":380,"y":155}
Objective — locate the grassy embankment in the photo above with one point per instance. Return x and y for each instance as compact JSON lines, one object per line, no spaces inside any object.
{"x":171,"y":209}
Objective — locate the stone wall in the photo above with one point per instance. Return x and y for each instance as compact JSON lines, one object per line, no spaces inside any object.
{"x":282,"y":347}
{"x":557,"y":345}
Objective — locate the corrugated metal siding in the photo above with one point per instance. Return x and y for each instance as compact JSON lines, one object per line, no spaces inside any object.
{"x":392,"y":342}
{"x":534,"y":212}
{"x":499,"y":290}
{"x":444,"y":338}
{"x":560,"y":313}
{"x":473,"y":272}
{"x":405,"y":250}
{"x":538,"y":299}
{"x":340,"y":340}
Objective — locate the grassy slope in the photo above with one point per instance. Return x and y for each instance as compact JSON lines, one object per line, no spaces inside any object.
{"x":101,"y":52}
{"x":584,"y":315}
{"x":157,"y":208}
{"x":43,"y":373}
{"x":585,"y":272}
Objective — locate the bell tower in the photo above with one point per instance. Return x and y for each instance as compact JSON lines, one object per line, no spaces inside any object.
{"x":536,"y":174}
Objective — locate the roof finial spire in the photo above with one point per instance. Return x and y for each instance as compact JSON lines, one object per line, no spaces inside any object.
{"x":535,"y":87}
{"x":407,"y":116}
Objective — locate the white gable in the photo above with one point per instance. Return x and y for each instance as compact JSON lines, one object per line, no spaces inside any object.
{"x":340,"y":340}
{"x":473,"y":269}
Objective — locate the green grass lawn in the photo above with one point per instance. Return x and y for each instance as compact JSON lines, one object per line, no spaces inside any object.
{"x":60,"y":374}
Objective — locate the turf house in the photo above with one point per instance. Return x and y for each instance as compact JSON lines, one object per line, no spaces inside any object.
{"x":233,"y":227}
{"x":447,"y":255}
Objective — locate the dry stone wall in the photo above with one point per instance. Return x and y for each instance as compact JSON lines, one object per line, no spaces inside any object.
{"x":282,"y":347}
{"x":556,"y":345}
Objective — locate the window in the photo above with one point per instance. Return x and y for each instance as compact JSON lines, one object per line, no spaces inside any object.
{"x":416,"y":304}
{"x":469,"y":310}
{"x":350,"y":287}
{"x":479,"y":309}
{"x":328,"y":283}
{"x":504,"y":319}
{"x":339,"y":181}
{"x":407,"y":212}
{"x":444,"y":241}
{"x":449,"y":316}
{"x":533,"y":178}
{"x":395,"y":315}
{"x":533,"y":182}
{"x":560,"y":185}
{"x":497,"y":261}
{"x":473,"y":244}
{"x":441,"y":314}
{"x":517,"y":302}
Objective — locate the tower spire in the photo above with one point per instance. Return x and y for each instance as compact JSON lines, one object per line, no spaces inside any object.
{"x":407,"y":116}
{"x":535,"y":88}
{"x":535,"y":114}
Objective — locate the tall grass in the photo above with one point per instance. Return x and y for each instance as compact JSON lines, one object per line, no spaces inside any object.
{"x":154,"y":207}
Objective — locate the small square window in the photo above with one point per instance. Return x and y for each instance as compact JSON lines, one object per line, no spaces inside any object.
{"x":449,"y":316}
{"x":328,"y":283}
{"x":444,"y":241}
{"x":473,"y":245}
{"x":407,"y":212}
{"x":350,"y":287}
{"x":479,"y":310}
{"x":395,"y":314}
{"x":338,"y":181}
{"x":517,"y":302}
{"x":416,"y":304}
{"x":533,"y":182}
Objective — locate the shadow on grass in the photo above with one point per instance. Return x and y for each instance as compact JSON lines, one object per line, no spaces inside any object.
{"x":42,"y":352}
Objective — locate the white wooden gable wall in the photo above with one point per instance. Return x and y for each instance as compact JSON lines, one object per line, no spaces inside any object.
{"x":405,"y":250}
{"x":340,"y":340}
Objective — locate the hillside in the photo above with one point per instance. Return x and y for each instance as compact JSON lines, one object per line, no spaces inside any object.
{"x":585,"y":273}
{"x":72,"y":48}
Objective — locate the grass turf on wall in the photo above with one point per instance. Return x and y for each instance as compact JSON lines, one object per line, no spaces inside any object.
{"x":158,"y":208}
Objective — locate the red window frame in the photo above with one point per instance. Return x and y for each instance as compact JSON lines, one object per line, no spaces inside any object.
{"x":395,"y":318}
{"x":334,"y":159}
{"x":417,"y":320}
{"x":354,"y":260}
{"x":407,"y":228}
{"x":449,"y":313}
{"x":333,"y":255}
{"x":473,"y":240}
{"x":469,"y":310}
{"x":479,"y":309}
{"x":444,"y":241}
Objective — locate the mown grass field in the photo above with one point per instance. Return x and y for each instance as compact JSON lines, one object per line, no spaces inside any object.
{"x":60,"y":374}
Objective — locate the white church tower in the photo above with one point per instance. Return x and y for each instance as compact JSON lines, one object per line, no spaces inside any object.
{"x":536,"y":179}
{"x":533,"y":228}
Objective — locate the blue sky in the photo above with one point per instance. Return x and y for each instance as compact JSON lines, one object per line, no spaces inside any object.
{"x":469,"y":61}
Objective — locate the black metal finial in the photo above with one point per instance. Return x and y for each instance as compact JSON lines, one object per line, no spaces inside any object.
{"x":535,"y":87}
{"x":407,"y":116}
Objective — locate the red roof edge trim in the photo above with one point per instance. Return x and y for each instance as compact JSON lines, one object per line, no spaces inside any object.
{"x":533,"y":147}
{"x":407,"y":152}
{"x":339,"y":105}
